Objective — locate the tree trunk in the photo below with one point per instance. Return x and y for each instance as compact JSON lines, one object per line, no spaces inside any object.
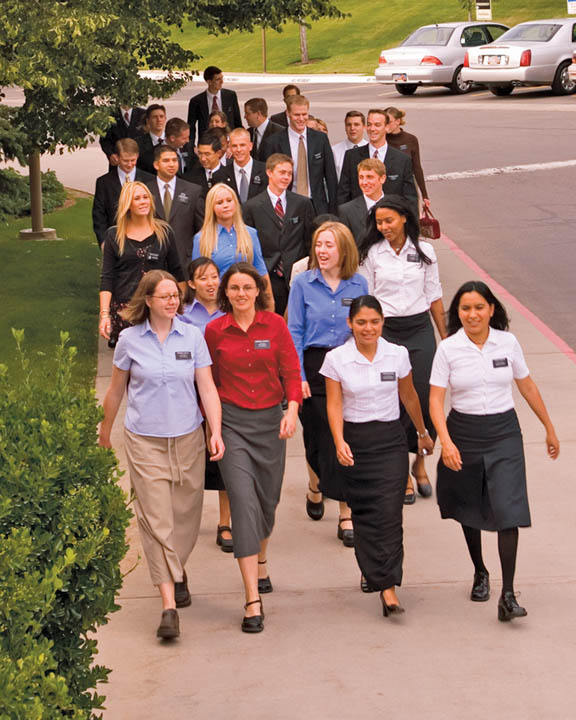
{"x":264,"y":49}
{"x":303,"y":45}
{"x":35,"y":180}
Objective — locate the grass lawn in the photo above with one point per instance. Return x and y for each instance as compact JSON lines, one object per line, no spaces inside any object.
{"x":350,"y":45}
{"x":51,"y":286}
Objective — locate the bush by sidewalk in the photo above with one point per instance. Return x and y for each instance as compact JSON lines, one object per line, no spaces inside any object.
{"x":62,"y":535}
{"x":15,"y":193}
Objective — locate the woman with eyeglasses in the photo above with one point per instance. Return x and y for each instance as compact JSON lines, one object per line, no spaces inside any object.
{"x":158,"y":361}
{"x":255,"y":367}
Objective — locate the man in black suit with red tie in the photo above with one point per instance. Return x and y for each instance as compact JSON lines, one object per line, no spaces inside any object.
{"x":399,"y":175}
{"x":314,"y":169}
{"x":281,"y":118}
{"x":109,"y":186}
{"x":155,"y":126}
{"x":283,"y":220}
{"x":371,"y":179}
{"x":128,"y":123}
{"x":260,"y":126}
{"x":247,"y":177}
{"x":214,"y":98}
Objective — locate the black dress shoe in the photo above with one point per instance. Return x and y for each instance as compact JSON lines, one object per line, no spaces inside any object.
{"x":347,"y":536}
{"x":365,"y":585}
{"x":394,"y":609}
{"x":424,"y":489}
{"x":409,"y":498}
{"x":480,"y":587}
{"x":508,"y":608}
{"x":169,"y":627}
{"x":264,"y":584}
{"x":226,"y":545}
{"x":315,"y":510}
{"x":254,"y":624}
{"x":181,"y":593}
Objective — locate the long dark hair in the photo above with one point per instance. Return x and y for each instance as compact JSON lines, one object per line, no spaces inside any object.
{"x":499,"y":320}
{"x":193,"y":266}
{"x":371,"y":235}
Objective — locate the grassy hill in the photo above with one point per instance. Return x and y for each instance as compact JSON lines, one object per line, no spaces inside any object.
{"x":350,"y":45}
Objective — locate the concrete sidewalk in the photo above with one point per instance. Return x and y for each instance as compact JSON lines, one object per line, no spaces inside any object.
{"x":326,"y":651}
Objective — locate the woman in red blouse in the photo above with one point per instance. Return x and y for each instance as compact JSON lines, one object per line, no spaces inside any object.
{"x":255,"y":365}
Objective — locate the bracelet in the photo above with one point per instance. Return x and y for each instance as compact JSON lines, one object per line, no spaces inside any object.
{"x":424,"y":434}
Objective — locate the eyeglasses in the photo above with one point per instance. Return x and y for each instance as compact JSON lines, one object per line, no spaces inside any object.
{"x":165,"y":298}
{"x":245,"y":288}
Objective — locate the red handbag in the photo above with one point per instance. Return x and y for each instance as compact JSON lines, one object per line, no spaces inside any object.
{"x":429,"y":226}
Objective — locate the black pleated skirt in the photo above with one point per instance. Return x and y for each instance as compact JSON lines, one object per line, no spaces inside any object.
{"x":416,"y":334}
{"x":318,"y":442}
{"x":489,"y":493}
{"x":374,"y":488}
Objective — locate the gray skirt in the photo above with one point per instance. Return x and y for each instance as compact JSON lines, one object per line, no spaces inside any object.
{"x":252,"y":469}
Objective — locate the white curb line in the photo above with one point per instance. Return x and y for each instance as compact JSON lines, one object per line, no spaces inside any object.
{"x":271,"y":78}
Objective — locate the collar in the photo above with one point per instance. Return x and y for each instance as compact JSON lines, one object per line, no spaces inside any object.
{"x":210,"y":95}
{"x":171,"y":184}
{"x":229,"y":320}
{"x":370,"y":203}
{"x":247,"y":168}
{"x":315,"y":275}
{"x":222,"y":229}
{"x":274,"y":198}
{"x":464,"y":341}
{"x":155,"y":138}
{"x":296,"y":136}
{"x":262,"y":127}
{"x":385,"y":247}
{"x":123,"y":175}
{"x":177,"y":327}
{"x":381,"y":150}
{"x":351,"y":354}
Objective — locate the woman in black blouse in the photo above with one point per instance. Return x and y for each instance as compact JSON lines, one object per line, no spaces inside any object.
{"x":137,"y":243}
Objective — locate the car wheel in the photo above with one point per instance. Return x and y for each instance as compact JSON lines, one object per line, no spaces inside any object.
{"x":459,"y":86}
{"x":501,"y":90}
{"x":562,"y":85}
{"x":406,"y":89}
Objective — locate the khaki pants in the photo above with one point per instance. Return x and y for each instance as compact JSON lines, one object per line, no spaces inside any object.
{"x":167,"y":475}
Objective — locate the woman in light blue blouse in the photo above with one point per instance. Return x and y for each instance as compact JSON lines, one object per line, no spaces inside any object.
{"x":317,"y":319}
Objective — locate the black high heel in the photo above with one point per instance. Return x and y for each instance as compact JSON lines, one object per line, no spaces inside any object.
{"x":347,"y":536}
{"x":394,"y":609}
{"x":315,"y":510}
{"x":508,"y":608}
{"x":264,"y":584}
{"x":254,"y":624}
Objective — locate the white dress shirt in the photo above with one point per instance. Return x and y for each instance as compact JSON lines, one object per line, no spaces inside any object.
{"x":124,"y":177}
{"x":369,"y":388}
{"x":370,"y":203}
{"x":162,"y":187}
{"x":259,"y":132}
{"x":210,"y":99}
{"x":480,"y":379}
{"x":274,"y":198}
{"x":403,"y":284}
{"x":294,"y":139}
{"x":381,"y":151}
{"x":156,"y":139}
{"x":339,"y":150}
{"x":247,"y":169}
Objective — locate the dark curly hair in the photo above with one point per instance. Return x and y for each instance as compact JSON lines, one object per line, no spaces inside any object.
{"x":499,"y":320}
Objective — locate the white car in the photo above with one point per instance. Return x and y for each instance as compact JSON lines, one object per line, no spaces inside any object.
{"x":434,"y":55}
{"x":532,"y":53}
{"x":572,"y":68}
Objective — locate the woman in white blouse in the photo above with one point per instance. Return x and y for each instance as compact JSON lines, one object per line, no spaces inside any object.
{"x":402,"y":272}
{"x":365,"y":378}
{"x":481,"y":474}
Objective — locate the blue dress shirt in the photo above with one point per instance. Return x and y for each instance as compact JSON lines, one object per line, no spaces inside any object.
{"x":197,"y":315}
{"x":225,"y":253}
{"x":162,"y":399}
{"x":317,"y":315}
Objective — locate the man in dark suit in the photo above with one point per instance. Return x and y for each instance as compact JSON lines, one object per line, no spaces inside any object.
{"x":260,"y":126}
{"x":283,"y":220}
{"x":178,"y":202}
{"x":399,"y":175}
{"x":214,"y":98}
{"x":371,"y":178}
{"x":155,"y":125}
{"x":109,"y":186}
{"x":178,"y":137}
{"x":247,"y":177}
{"x":281,"y":118}
{"x":209,"y":157}
{"x":314,"y":170}
{"x":128,"y":124}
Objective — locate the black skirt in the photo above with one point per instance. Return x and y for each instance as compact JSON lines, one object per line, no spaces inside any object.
{"x":318,"y":442}
{"x":375,"y":487}
{"x":416,"y":334}
{"x":489,"y":493}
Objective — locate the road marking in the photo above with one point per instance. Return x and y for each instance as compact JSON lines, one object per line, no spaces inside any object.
{"x":507,"y":170}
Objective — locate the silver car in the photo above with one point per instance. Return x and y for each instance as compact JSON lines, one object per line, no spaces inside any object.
{"x":434,"y":55}
{"x":532,"y":53}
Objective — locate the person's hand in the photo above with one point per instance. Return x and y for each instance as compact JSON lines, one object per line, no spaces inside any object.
{"x":216,"y":447}
{"x":344,"y":454}
{"x":113,"y":159}
{"x":451,"y":456}
{"x":105,"y":326}
{"x":288,"y":425}
{"x":104,"y":439}
{"x":425,"y":443}
{"x":426,"y":203}
{"x":306,"y":390}
{"x":552,"y":445}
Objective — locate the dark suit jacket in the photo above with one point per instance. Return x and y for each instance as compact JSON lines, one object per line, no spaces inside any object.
{"x":258,"y":178}
{"x":186,"y":215}
{"x":287,"y":241}
{"x":106,"y":200}
{"x":190,"y":158}
{"x":271,"y":128}
{"x":399,"y":175}
{"x":280,"y":119}
{"x":197,"y":175}
{"x":353,"y":214}
{"x":146,"y":157}
{"x":120,"y":130}
{"x":322,"y":176}
{"x":198,"y":112}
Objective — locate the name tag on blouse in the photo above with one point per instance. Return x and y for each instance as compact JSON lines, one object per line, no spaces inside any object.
{"x":500,"y":362}
{"x":183,"y":355}
{"x":387,"y":376}
{"x":153,"y":256}
{"x":346,"y":302}
{"x":261,"y":344}
{"x":413,"y":257}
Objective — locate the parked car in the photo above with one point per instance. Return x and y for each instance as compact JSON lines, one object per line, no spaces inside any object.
{"x":434,"y":55}
{"x":572,"y":68}
{"x":532,"y":53}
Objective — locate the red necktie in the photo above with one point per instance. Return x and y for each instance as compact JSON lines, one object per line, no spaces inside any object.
{"x":215,"y":107}
{"x":375,"y":154}
{"x":127,"y":118}
{"x":279,"y":210}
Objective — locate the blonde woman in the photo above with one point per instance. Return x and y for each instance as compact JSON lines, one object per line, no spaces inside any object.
{"x":226,"y":239}
{"x":137,"y":243}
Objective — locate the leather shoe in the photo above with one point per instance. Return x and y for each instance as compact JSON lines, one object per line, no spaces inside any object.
{"x":264,"y":584}
{"x":508,"y":608}
{"x":424,"y":489}
{"x":315,"y":510}
{"x":480,"y":587}
{"x":347,"y":536}
{"x":181,"y":593}
{"x":409,"y":498}
{"x":226,"y":545}
{"x":255,"y":623}
{"x":169,"y":627}
{"x":365,"y":585}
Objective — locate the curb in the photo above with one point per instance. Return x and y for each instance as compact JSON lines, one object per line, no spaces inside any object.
{"x":267,"y":78}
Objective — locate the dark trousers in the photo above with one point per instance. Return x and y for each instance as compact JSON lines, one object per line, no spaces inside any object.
{"x":280,"y":292}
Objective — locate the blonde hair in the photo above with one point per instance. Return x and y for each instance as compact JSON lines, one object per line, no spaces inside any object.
{"x":209,"y":232}
{"x":347,"y":249}
{"x":397,"y":114}
{"x":123,"y":218}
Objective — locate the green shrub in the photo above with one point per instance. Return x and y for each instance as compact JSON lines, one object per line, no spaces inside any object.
{"x":62,"y":536}
{"x":15,"y":193}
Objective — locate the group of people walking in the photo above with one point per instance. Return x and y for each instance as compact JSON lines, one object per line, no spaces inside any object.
{"x":216,"y":381}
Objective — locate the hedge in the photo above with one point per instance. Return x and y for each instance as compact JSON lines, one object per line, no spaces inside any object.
{"x":62,"y":536}
{"x":15,"y":193}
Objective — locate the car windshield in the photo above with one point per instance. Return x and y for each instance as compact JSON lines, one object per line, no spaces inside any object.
{"x":431,"y":35}
{"x":532,"y":32}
